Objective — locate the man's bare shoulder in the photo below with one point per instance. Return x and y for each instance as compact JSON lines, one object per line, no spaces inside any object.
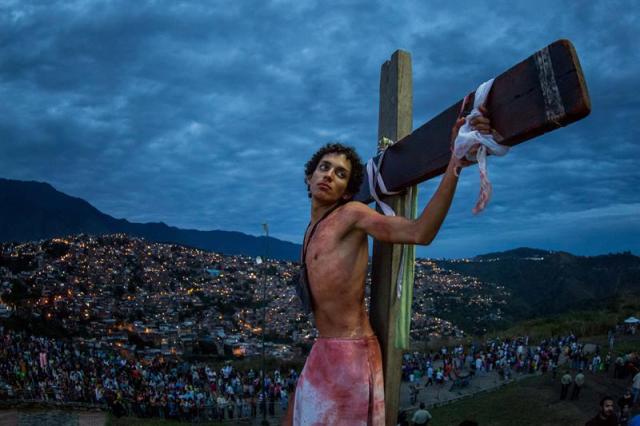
{"x":356,"y":209}
{"x":353,"y":212}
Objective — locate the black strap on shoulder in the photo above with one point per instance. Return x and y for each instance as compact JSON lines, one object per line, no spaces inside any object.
{"x":313,"y":230}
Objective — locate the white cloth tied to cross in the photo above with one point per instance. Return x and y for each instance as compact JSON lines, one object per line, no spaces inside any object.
{"x":474,"y":146}
{"x":374,"y":177}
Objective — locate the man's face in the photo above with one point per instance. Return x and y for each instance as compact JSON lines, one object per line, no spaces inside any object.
{"x":329,"y":181}
{"x":607,"y":408}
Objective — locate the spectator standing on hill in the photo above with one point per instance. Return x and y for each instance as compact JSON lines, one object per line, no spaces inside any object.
{"x":625,"y":403}
{"x":578,"y":382}
{"x":478,"y":365}
{"x":611,"y":338}
{"x":566,"y":381}
{"x":595,"y":363}
{"x":606,"y":416}
{"x":421,"y":416}
{"x":618,"y":368}
{"x":414,"y":390}
{"x":554,"y":368}
{"x":429,"y":375}
{"x":607,"y":362}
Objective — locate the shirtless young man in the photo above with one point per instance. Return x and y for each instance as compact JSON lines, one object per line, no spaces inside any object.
{"x":341,"y":382}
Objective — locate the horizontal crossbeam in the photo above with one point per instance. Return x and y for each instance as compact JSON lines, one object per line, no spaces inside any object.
{"x":540,"y":94}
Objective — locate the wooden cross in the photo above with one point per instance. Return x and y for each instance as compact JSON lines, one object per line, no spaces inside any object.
{"x":542,"y":93}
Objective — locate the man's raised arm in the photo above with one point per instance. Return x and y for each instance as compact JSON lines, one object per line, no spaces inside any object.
{"x":422,"y":231}
{"x":397,"y":229}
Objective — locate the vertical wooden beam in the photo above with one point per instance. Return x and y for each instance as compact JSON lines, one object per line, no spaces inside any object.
{"x":395,"y":122}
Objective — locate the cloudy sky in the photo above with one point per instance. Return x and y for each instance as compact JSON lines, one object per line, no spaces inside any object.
{"x":201,"y":114}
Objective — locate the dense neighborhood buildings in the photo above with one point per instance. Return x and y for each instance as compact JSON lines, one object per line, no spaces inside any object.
{"x":155,"y":298}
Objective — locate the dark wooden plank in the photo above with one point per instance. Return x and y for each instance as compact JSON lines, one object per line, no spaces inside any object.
{"x":519,"y":108}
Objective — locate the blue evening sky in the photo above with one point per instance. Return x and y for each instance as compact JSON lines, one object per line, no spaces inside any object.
{"x":201,"y":114}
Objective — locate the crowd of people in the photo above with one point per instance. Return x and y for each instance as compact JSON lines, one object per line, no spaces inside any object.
{"x":512,"y":355}
{"x":505,"y":356}
{"x":45,"y":369}
{"x":516,"y":355}
{"x":39,"y":368}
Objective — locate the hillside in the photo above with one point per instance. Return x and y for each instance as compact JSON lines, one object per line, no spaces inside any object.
{"x":503,"y":287}
{"x":544,"y":283}
{"x":34,"y":211}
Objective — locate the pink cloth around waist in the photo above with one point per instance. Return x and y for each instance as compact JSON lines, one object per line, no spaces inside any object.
{"x":341,"y":383}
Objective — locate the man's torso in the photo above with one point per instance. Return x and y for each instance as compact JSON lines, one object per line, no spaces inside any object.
{"x":336,"y":262}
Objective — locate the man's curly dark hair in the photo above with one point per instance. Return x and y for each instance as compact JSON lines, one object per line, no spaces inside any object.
{"x":355,"y":179}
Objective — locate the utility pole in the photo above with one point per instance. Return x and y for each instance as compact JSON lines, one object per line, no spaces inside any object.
{"x":265,"y":226}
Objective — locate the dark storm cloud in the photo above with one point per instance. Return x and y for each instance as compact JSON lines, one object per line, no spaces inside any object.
{"x":202,"y":114}
{"x":573,"y":189}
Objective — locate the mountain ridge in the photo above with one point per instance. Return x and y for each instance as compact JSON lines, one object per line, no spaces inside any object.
{"x":541,"y":282}
{"x":36,"y":210}
{"x":556,"y":281}
{"x":33,"y":205}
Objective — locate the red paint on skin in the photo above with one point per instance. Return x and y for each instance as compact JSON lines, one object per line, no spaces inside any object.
{"x":342,"y":382}
{"x":337,"y":270}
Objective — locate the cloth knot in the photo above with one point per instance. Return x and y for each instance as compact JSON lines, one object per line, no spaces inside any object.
{"x":377,"y":187}
{"x":474,"y":146}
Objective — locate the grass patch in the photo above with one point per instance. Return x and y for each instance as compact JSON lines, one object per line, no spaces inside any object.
{"x":581,"y":323}
{"x":627,"y":346}
{"x":519,"y":403}
{"x":623,"y":344}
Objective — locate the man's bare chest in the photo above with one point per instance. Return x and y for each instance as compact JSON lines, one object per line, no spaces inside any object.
{"x":330,"y":240}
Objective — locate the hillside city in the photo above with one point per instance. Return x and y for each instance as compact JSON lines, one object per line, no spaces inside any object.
{"x":131,"y":294}
{"x":126,"y":327}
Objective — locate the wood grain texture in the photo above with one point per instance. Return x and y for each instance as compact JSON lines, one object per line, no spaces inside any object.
{"x":517,"y":109}
{"x":395,"y":121}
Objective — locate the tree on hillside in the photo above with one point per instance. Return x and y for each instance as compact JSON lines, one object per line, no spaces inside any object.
{"x":19,"y":291}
